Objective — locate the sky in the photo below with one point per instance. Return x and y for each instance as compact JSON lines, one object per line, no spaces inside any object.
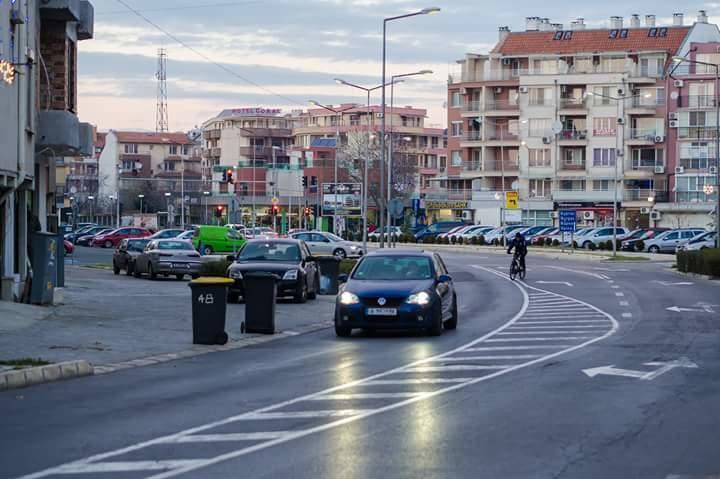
{"x":282,"y":53}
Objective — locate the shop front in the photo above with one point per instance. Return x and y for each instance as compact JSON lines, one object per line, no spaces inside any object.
{"x":447,"y":210}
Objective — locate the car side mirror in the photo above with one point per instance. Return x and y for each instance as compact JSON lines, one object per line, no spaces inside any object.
{"x":230,"y":258}
{"x":444,"y":278}
{"x":342,"y":278}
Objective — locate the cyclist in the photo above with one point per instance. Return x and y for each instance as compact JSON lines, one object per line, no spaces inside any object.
{"x":520,"y":245}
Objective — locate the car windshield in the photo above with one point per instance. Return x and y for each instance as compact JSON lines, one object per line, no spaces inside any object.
{"x":332,"y":237}
{"x":637,"y":234}
{"x":174,"y":245}
{"x":393,"y":268}
{"x":137,"y":245}
{"x":285,"y":252}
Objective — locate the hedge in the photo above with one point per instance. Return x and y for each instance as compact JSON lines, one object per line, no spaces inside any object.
{"x":706,"y":262}
{"x":214,"y":268}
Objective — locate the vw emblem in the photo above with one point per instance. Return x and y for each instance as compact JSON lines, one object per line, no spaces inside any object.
{"x":382,"y":301}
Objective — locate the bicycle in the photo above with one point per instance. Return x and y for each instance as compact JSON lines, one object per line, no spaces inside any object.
{"x":515,"y":268}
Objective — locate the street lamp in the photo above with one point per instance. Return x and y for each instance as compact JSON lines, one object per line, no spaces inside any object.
{"x":167,"y":196}
{"x":678,"y":60}
{"x":92,"y":207}
{"x":205,"y":197}
{"x":424,"y":11}
{"x":111,"y":198}
{"x":340,"y":81}
{"x":338,"y":115}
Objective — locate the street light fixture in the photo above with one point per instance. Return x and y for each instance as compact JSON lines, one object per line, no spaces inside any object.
{"x":141,"y":203}
{"x":424,"y":11}
{"x":205,"y":196}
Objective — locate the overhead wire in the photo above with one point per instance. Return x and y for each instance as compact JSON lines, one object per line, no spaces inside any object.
{"x":185,"y":7}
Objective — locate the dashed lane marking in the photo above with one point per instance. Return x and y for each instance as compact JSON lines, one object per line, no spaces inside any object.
{"x":439,"y":374}
{"x":627,"y":315}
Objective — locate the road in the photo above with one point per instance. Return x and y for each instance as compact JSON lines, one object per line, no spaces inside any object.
{"x":582,"y":371}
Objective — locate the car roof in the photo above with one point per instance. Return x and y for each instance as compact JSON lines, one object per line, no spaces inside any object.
{"x":275,"y":240}
{"x":401,"y":252}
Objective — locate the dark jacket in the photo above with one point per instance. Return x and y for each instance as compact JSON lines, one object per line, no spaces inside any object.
{"x":519,"y":244}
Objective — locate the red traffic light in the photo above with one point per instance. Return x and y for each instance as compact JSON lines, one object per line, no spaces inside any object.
{"x":219,"y":211}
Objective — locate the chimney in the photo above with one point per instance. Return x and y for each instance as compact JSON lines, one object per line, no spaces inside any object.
{"x":650,"y":21}
{"x":503,"y":33}
{"x":616,"y":23}
{"x":702,"y":16}
{"x":580,"y":23}
{"x":635,"y":21}
{"x":557,"y":27}
{"x":545,"y":25}
{"x":532,"y":24}
{"x":678,"y":19}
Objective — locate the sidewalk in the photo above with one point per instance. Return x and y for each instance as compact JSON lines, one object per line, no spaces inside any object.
{"x":108,"y":319}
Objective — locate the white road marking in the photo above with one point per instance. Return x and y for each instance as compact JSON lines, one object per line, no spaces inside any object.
{"x":229,"y":437}
{"x":615,"y":286}
{"x":586,"y":273}
{"x":678,"y":309}
{"x":344,"y":397}
{"x":514,"y":348}
{"x":562,"y":326}
{"x":619,"y":294}
{"x":564,"y":321}
{"x":566,"y":338}
{"x":384,"y":382}
{"x":564,"y":315}
{"x":533,"y":331}
{"x":627,"y":315}
{"x":121,"y":466}
{"x":490,"y":358}
{"x":680,"y":283}
{"x":570,"y":285}
{"x":346,"y":416}
{"x":457,"y":367}
{"x":663,"y":367}
{"x":624,"y":303}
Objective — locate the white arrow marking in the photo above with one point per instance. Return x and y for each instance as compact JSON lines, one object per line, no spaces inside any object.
{"x":678,"y":309}
{"x":665,"y":283}
{"x":570,"y":285}
{"x":663,"y":367}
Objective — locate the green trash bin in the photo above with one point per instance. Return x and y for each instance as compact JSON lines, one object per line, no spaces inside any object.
{"x":209,"y":301}
{"x":329,"y":272}
{"x":260,"y":293}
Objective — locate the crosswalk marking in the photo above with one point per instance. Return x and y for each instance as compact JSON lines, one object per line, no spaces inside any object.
{"x":563,"y":321}
{"x":562,"y":326}
{"x":519,"y":340}
{"x":121,"y":466}
{"x":457,"y":367}
{"x":512,"y":332}
{"x":238,"y":436}
{"x":399,"y":382}
{"x":515,"y":348}
{"x":338,"y":397}
{"x":304,"y":414}
{"x":488,"y":358}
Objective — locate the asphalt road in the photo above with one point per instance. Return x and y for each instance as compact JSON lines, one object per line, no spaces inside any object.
{"x":580,"y":372}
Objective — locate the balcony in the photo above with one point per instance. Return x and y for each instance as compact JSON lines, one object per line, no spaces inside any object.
{"x":698,"y":132}
{"x":501,"y":107}
{"x":61,"y":131}
{"x":576,"y":104}
{"x":638,"y":168}
{"x":86,"y":25}
{"x":212,"y":134}
{"x":698,"y":102}
{"x":695,"y":197}
{"x":501,"y":134}
{"x":583,"y":195}
{"x":475,"y":106}
{"x":572,"y":136}
{"x":574,"y":166}
{"x":438,"y":193}
{"x":471,"y":139}
{"x":698,"y":163}
{"x":497,"y":167}
{"x":645,"y":106}
{"x":61,"y":10}
{"x":643,"y":136}
{"x":472,"y":166}
{"x":645,"y":196}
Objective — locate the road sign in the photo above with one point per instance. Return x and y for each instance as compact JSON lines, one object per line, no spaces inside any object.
{"x":568,"y":221}
{"x":396,"y":208}
{"x":512,"y":200}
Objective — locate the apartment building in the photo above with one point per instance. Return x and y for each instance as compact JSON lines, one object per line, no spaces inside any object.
{"x":556,"y":113}
{"x":76,"y":184}
{"x":38,"y":100}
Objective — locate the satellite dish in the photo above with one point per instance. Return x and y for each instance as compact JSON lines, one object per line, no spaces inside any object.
{"x":557,"y":127}
{"x":674,"y":95}
{"x":73,"y":190}
{"x":515,"y":185}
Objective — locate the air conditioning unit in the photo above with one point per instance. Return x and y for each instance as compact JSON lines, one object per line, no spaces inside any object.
{"x":659,"y":170}
{"x":674,"y":123}
{"x":644,"y":211}
{"x":378,"y":115}
{"x":467,"y":215}
{"x":679,"y":170}
{"x":547,"y":140}
{"x":655,"y":215}
{"x":621,"y":121}
{"x":463,"y":91}
{"x":588,"y":215}
{"x":506,"y":61}
{"x":621,"y":92}
{"x":673,"y":115}
{"x":555,"y":215}
{"x":713,"y":170}
{"x":498,"y":89}
{"x":679,"y":83}
{"x":659,"y":139}
{"x":523,"y":89}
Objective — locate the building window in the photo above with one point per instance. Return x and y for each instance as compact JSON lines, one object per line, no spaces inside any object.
{"x":602,"y":95}
{"x":169,"y":166}
{"x":601,"y":185}
{"x":457,"y":128}
{"x":540,"y":96}
{"x":540,"y":188}
{"x":539,"y":157}
{"x":456,"y":158}
{"x":434,"y":142}
{"x":712,"y":58}
{"x":652,"y":67}
{"x":131,"y":148}
{"x":572,"y":185}
{"x":456,"y":100}
{"x":648,"y":158}
{"x":537,"y":217}
{"x":604,"y":157}
{"x":604,"y":126}
{"x":539,"y":127}
{"x":186,"y":150}
{"x":173,"y":149}
{"x":692,"y":188}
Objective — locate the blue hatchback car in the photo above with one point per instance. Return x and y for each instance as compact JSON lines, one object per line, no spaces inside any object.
{"x":397,"y":290}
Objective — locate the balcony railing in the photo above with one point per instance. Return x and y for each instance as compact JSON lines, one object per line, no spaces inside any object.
{"x":699,"y":101}
{"x":499,"y":166}
{"x":648,"y":134}
{"x":473,"y":135}
{"x":501,"y":105}
{"x":572,"y":103}
{"x":573,"y":134}
{"x":645,"y":165}
{"x":695,"y":197}
{"x":642,"y":102}
{"x":575,"y":166}
{"x":502,"y":134}
{"x":473,"y":106}
{"x":699,"y":132}
{"x":473,"y":165}
{"x":541,"y":102}
{"x":695,"y":163}
{"x":447,"y":193}
{"x":637,"y":194}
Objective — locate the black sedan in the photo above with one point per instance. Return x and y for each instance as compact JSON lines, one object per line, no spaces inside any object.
{"x":397,"y":290}
{"x":289,"y":259}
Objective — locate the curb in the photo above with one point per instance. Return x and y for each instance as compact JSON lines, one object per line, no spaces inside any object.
{"x":20,"y":378}
{"x":712,"y":279}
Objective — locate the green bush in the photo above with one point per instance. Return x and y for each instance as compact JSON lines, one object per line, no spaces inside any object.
{"x":429,"y":240}
{"x":575,"y":244}
{"x":446,"y":240}
{"x":453,"y":240}
{"x":592,"y":246}
{"x":603,"y":245}
{"x":373,"y":239}
{"x":474,"y":240}
{"x":481,"y":240}
{"x":347,"y":265}
{"x":555,"y":242}
{"x":705,"y":262}
{"x":640,"y":245}
{"x":214,"y":268}
{"x":461,"y":240}
{"x":549,"y":242}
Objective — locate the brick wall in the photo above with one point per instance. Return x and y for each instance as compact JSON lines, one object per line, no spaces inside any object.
{"x":60,"y":56}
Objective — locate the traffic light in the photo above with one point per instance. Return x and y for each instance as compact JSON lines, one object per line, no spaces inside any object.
{"x":219,"y":210}
{"x":308,"y":211}
{"x":304,"y":181}
{"x":275,"y":210}
{"x":224,"y":180}
{"x":229,"y":176}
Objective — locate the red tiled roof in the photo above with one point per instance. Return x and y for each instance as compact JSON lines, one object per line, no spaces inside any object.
{"x":152,"y":138}
{"x":591,"y":41}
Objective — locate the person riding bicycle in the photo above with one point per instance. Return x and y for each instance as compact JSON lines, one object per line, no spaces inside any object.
{"x":520,"y":245}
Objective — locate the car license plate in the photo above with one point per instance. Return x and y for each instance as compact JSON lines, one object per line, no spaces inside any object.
{"x":181,"y":265}
{"x":382,"y":312}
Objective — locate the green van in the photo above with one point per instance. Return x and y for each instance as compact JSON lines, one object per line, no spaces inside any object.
{"x":216,"y":239}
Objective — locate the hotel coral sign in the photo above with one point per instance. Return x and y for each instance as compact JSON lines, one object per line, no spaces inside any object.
{"x":7,"y":72}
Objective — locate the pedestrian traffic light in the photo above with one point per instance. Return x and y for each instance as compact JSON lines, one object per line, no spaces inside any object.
{"x":219,"y":211}
{"x":229,"y":176}
{"x":275,"y":210}
{"x":308,"y":211}
{"x":224,"y":180}
{"x":304,"y":181}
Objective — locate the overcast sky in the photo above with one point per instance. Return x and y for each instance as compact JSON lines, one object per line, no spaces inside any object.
{"x":294,"y":49}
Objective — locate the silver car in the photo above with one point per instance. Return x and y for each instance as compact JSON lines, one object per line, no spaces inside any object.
{"x":168,"y":257}
{"x":668,"y":241}
{"x":704,"y":241}
{"x":603,"y":235}
{"x":323,"y":244}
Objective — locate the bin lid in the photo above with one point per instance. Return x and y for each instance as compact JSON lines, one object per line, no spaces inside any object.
{"x":212,"y":280}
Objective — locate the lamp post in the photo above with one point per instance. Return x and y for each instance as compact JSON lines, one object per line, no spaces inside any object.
{"x":111,"y":198}
{"x":167,"y":197}
{"x":620,"y":149}
{"x":679,"y":60}
{"x":91,"y":199}
{"x":424,"y":11}
{"x":141,"y":205}
{"x":367,"y":155}
{"x":338,"y":120}
{"x":205,"y":197}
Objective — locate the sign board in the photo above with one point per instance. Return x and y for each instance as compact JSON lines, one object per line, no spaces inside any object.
{"x":568,"y":221}
{"x":445,"y":205}
{"x":256,"y":111}
{"x":512,"y":200}
{"x":342,"y":199}
{"x":513,"y":216}
{"x":396,"y":208}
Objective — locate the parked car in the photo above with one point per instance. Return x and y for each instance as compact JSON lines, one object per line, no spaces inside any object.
{"x":166,"y":234}
{"x":127,"y":251}
{"x":186,"y":235}
{"x":602,"y":235}
{"x":551,"y":233}
{"x":114,"y":237}
{"x":69,"y":247}
{"x":452,"y":231}
{"x":260,"y":232}
{"x":72,"y":237}
{"x":433,"y":230}
{"x":505,"y":231}
{"x":395,"y":232}
{"x":477,"y":231}
{"x":217,"y":239}
{"x":168,"y":257}
{"x":321,"y":243}
{"x":462,"y":231}
{"x":531,"y":232}
{"x":87,"y":239}
{"x":703,"y":241}
{"x":288,"y":258}
{"x":668,"y":241}
{"x":631,"y":242}
{"x":395,"y":289}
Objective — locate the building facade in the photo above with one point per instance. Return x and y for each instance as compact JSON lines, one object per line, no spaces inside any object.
{"x":38,"y":98}
{"x":570,"y":118}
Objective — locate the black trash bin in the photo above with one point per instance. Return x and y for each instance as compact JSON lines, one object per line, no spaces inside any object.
{"x":329,"y":272}
{"x":209,"y":300}
{"x":260,"y":293}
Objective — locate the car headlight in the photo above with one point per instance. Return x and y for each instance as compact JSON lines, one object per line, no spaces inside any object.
{"x":353,"y":248}
{"x":422,"y":298}
{"x":234,"y":274}
{"x":347,"y":298}
{"x":292,"y":274}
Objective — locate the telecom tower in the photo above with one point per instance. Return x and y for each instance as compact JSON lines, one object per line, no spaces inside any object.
{"x":161,"y":75}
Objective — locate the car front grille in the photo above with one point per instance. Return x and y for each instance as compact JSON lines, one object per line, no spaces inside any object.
{"x":372,"y":302}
